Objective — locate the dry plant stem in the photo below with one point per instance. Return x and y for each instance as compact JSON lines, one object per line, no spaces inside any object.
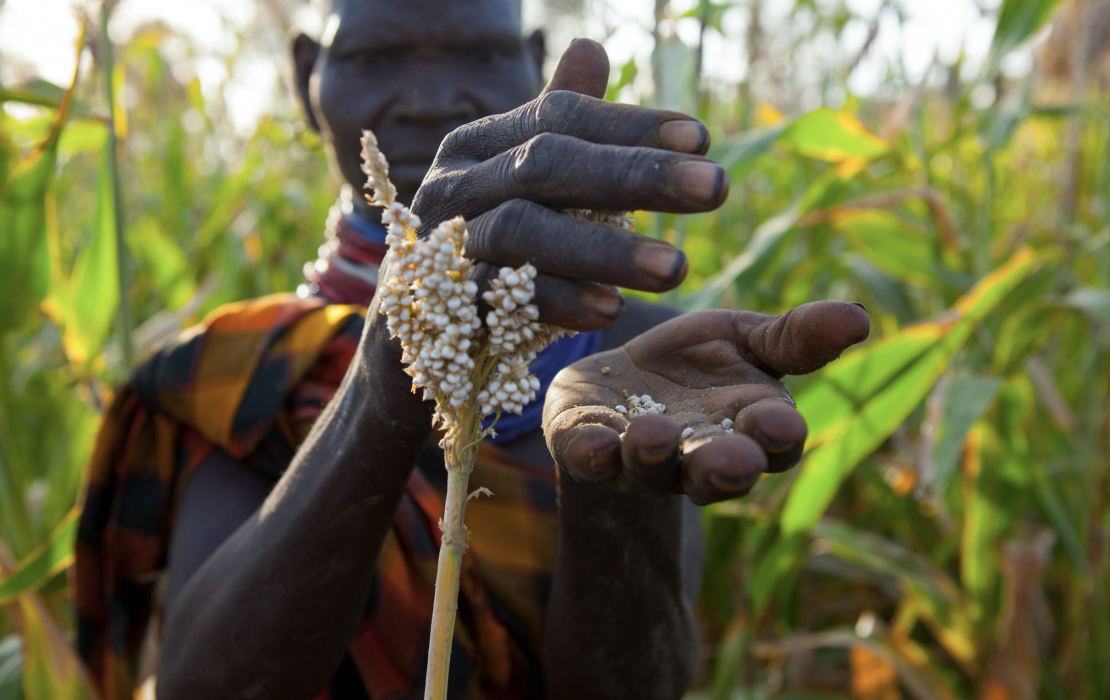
{"x":446,"y":603}
{"x":460,"y":452}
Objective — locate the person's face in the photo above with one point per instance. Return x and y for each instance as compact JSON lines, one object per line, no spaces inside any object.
{"x":412,"y":71}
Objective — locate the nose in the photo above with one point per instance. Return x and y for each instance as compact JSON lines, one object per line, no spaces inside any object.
{"x":435,"y":102}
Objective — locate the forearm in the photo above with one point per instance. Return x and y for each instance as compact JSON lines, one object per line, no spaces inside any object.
{"x":271,"y":612}
{"x":618,"y":623}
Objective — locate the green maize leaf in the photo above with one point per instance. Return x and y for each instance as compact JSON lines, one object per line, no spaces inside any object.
{"x":1095,"y":302}
{"x":894,"y":245}
{"x":740,"y":154}
{"x":94,"y":293}
{"x":979,"y":535}
{"x":24,"y":257}
{"x":11,"y":668}
{"x":765,"y":242}
{"x":966,"y":400}
{"x":624,"y":78}
{"x":929,"y":590}
{"x":167,"y":265}
{"x":834,"y":136}
{"x":856,"y":403}
{"x":44,"y":563}
{"x":51,"y":669}
{"x":888,"y":292}
{"x":84,"y":136}
{"x":1017,"y":21}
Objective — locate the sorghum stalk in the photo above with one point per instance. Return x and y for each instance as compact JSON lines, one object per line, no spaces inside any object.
{"x":469,"y":369}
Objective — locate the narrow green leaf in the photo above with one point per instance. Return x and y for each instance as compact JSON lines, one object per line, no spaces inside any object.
{"x":94,"y":288}
{"x":933,"y":593}
{"x":966,"y":400}
{"x":44,"y":563}
{"x":740,"y":154}
{"x":24,"y":256}
{"x":51,"y":670}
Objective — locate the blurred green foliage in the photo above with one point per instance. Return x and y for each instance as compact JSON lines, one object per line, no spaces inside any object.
{"x":946,"y":536}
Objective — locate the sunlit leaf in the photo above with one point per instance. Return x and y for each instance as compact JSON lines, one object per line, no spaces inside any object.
{"x":167,"y":265}
{"x":40,"y":566}
{"x":24,"y":257}
{"x":51,"y":670}
{"x":902,"y":250}
{"x":94,"y":293}
{"x":834,"y":136}
{"x":1017,"y":21}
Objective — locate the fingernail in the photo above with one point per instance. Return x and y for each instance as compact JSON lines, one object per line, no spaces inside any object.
{"x":730,"y":483}
{"x":698,"y":180}
{"x":658,"y":260}
{"x":655,"y":455}
{"x":856,"y":303}
{"x":602,"y":458}
{"x":684,"y":136}
{"x":771,"y":444}
{"x":603,"y":302}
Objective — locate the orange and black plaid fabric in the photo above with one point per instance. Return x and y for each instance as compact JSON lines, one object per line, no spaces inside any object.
{"x":251,"y":380}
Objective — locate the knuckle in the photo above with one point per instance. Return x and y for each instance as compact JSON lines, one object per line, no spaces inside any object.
{"x":534,"y":162}
{"x":509,"y":216}
{"x":553,"y":108}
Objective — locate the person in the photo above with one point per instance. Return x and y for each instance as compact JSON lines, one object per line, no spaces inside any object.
{"x":274,"y":463}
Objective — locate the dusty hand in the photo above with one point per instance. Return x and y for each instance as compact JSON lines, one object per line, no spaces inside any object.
{"x":705,"y":368}
{"x":509,"y":173}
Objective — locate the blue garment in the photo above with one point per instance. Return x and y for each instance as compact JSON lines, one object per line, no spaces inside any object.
{"x":372,"y":231}
{"x":562,"y":353}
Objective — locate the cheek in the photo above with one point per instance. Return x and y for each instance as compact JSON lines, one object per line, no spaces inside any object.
{"x":350,"y":102}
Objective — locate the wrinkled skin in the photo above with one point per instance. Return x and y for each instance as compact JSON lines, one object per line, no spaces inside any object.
{"x":704,"y":367}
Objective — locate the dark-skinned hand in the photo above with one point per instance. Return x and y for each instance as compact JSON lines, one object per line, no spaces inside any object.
{"x":508,"y":175}
{"x":704,"y":367}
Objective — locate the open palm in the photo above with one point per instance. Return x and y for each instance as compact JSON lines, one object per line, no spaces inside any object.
{"x":707,"y":368}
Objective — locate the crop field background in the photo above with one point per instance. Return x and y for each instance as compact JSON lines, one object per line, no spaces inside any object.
{"x":945,"y":538}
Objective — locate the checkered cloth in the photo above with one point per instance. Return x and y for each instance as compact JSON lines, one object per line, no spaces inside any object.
{"x":251,"y":380}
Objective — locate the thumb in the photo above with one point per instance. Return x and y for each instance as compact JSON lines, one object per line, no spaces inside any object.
{"x":804,"y":339}
{"x":583,"y":68}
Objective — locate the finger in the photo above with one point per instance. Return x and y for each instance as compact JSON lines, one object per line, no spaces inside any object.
{"x":519,"y":231}
{"x":576,"y":305}
{"x":583,"y":68}
{"x":566,"y":172}
{"x":728,"y":466}
{"x":591,"y":453}
{"x":650,"y":456}
{"x":778,"y":428}
{"x":581,"y":116}
{"x":804,"y":339}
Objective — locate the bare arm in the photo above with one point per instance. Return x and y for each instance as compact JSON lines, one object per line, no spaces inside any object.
{"x":270,"y":613}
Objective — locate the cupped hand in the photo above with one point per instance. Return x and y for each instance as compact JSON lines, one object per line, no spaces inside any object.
{"x":706,"y":368}
{"x":510,"y":175}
